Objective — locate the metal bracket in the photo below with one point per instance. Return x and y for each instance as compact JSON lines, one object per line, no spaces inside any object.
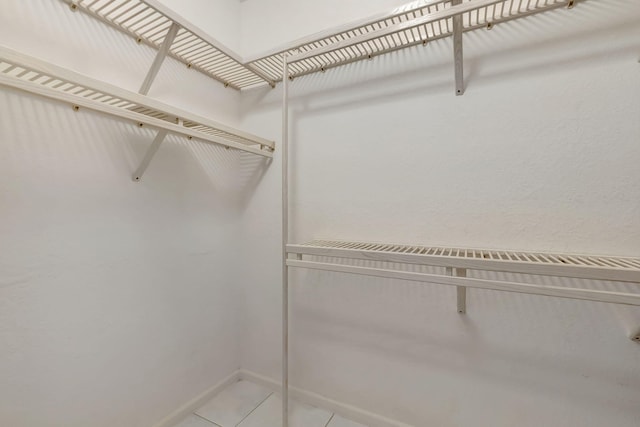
{"x":457,"y":50}
{"x":461,"y":291}
{"x":157,"y":62}
{"x":155,"y":145}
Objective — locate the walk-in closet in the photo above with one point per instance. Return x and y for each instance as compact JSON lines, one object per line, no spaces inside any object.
{"x":288,"y":213}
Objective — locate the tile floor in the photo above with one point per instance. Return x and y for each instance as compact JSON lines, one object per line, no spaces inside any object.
{"x":245,"y":404}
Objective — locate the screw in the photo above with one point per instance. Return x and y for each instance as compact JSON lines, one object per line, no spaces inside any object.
{"x":140,"y":124}
{"x":74,"y":7}
{"x":369,"y":56}
{"x":424,"y":42}
{"x":570,"y":4}
{"x":322,"y":69}
{"x":226,"y":85}
{"x":139,"y":40}
{"x":189,"y":137}
{"x":637,"y":338}
{"x":137,"y":178}
{"x":291,"y":78}
{"x":189,"y":65}
{"x":76,"y":108}
{"x":489,"y":25}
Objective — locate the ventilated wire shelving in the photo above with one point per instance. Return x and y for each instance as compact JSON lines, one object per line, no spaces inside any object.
{"x":149,"y":22}
{"x":459,"y":260}
{"x":413,"y":24}
{"x":32,"y":75}
{"x":540,"y":263}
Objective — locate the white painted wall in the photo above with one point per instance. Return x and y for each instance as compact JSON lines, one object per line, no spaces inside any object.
{"x":117,"y":300}
{"x":541,"y":153}
{"x":266,"y":25}
{"x":218,"y":18}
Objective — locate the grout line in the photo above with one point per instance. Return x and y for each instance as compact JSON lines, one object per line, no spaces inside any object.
{"x":207,"y":420}
{"x":253,"y":410}
{"x":329,"y":422}
{"x":350,"y":412}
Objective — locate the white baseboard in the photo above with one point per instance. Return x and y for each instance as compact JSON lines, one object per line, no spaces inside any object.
{"x":181,"y":413}
{"x":351,"y":412}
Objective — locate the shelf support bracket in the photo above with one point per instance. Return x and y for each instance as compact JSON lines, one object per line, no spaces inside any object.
{"x":157,"y":62}
{"x":461,"y":291}
{"x":155,"y":145}
{"x":457,"y":50}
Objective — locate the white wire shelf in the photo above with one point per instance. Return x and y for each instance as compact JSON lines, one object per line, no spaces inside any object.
{"x":419,"y":22}
{"x":415,"y":23}
{"x":32,"y":75}
{"x":622,"y":269}
{"x":149,"y":22}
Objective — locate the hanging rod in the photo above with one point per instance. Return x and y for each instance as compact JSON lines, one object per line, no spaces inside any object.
{"x":552,"y":291}
{"x":35,"y":76}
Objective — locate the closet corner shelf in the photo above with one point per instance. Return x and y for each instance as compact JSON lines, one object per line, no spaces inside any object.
{"x":457,"y":261}
{"x":150,"y":22}
{"x":415,"y":23}
{"x":33,"y":75}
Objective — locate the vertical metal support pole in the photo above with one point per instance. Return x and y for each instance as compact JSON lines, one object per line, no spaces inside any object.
{"x":457,"y":50}
{"x":157,"y":62}
{"x":285,"y":240}
{"x":155,"y":145}
{"x":461,"y":292}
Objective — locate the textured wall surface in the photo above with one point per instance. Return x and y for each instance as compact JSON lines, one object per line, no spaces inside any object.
{"x":218,"y":18}
{"x":541,"y":153}
{"x":117,"y":301}
{"x":120,"y":301}
{"x":266,"y":25}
